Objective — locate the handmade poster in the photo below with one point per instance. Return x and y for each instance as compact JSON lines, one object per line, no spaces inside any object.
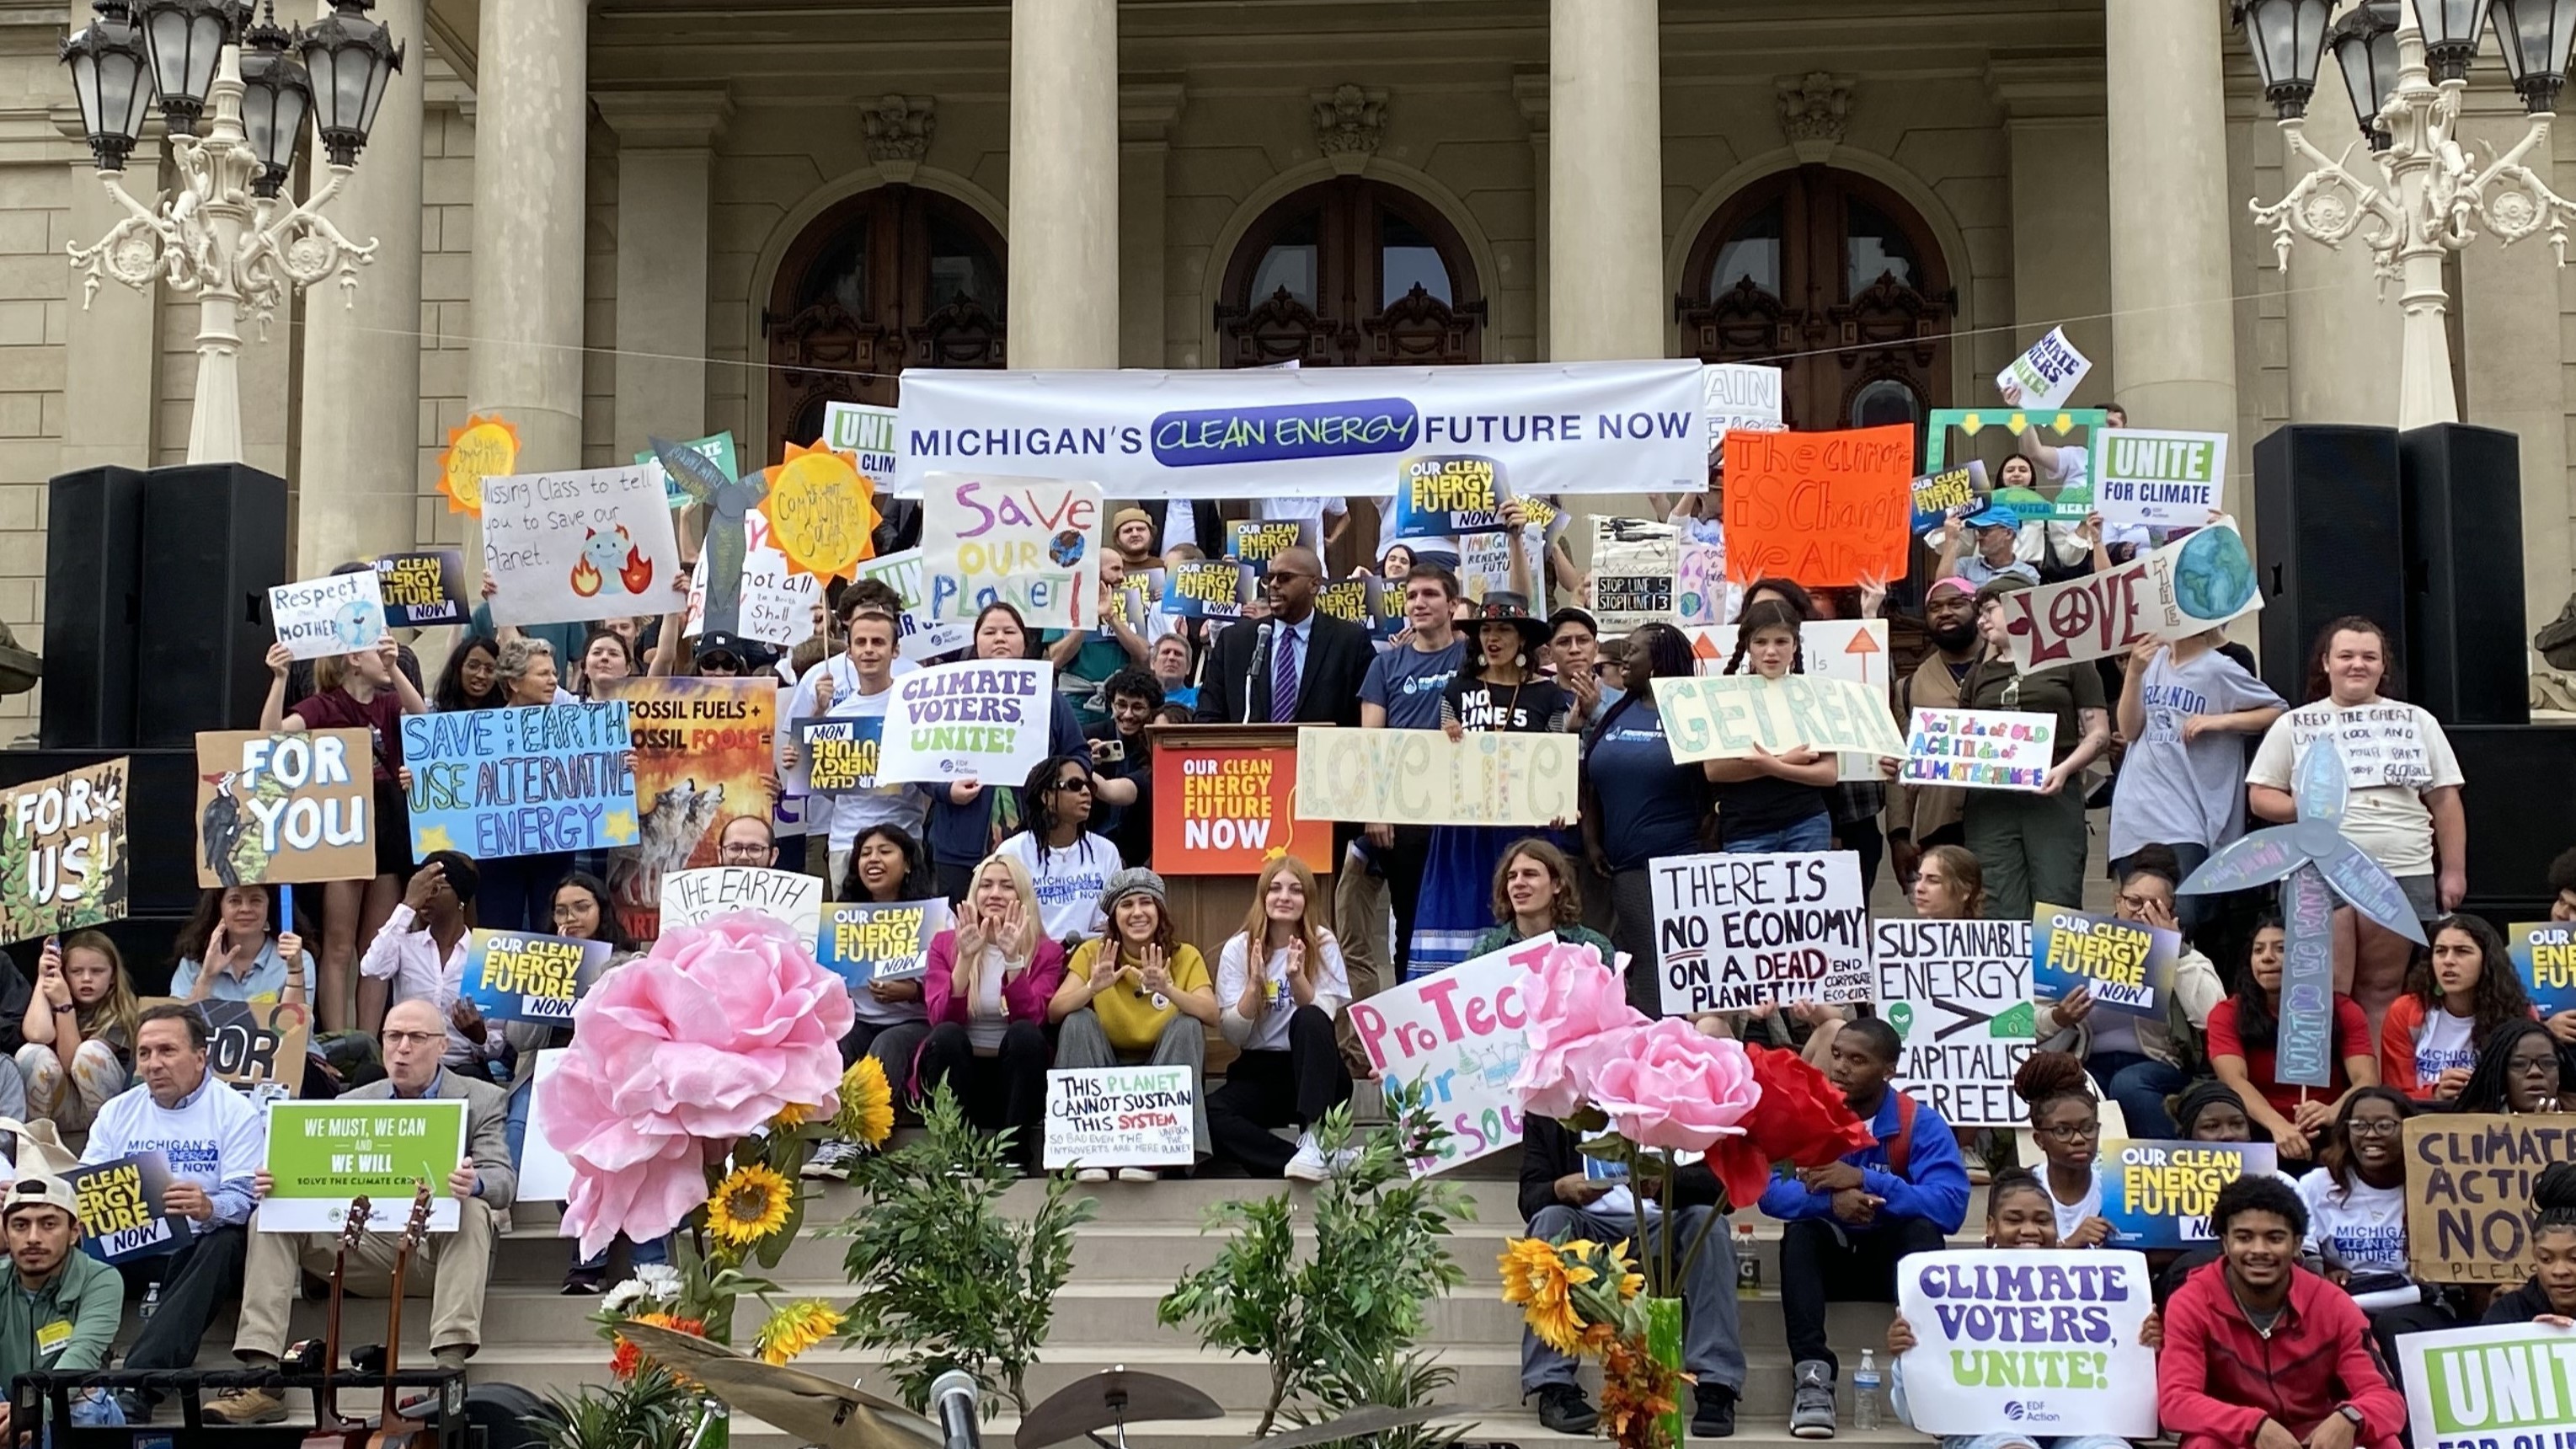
{"x":545,"y":1174}
{"x":2186,"y":587}
{"x":1347,"y":600}
{"x":774,"y":604}
{"x":729,"y":501}
{"x":334,"y":614}
{"x":922,"y":637}
{"x":869,"y":941}
{"x":1978,"y":749}
{"x":866,"y":432}
{"x":522,"y":976}
{"x":2044,"y":378}
{"x":2468,"y":1192}
{"x":694,"y":897}
{"x":2304,"y":1046}
{"x":1205,"y":588}
{"x":1633,"y":565}
{"x":1934,"y":495}
{"x":423,"y":587}
{"x":1457,"y":1035}
{"x":285,"y":807}
{"x":717,"y":449}
{"x":1445,"y":496}
{"x":257,"y":1046}
{"x":1485,"y":565}
{"x":321,"y":1154}
{"x":1254,"y":542}
{"x":1423,"y":777}
{"x":120,"y":1208}
{"x":1737,"y":931}
{"x":477,"y":448}
{"x":1825,"y":509}
{"x":2508,"y":1386}
{"x":2545,"y":953}
{"x":2071,"y":500}
{"x":2041,"y":1342}
{"x":1728,"y":716}
{"x":2381,"y":744}
{"x":1743,"y":395}
{"x":840,"y":755}
{"x":1853,"y":649}
{"x":706,"y":752}
{"x":533,"y":780}
{"x":982,"y":719}
{"x":1958,"y":995}
{"x":1030,"y":542}
{"x":2159,"y":1194}
{"x":1699,"y":584}
{"x":2128,"y":965}
{"x":63,"y":863}
{"x":822,"y":512}
{"x":1120,"y":1117}
{"x":565,"y":547}
{"x":1228,"y":810}
{"x":2160,"y":479}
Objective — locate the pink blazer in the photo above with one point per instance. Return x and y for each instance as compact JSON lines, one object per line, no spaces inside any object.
{"x":1024,"y":997}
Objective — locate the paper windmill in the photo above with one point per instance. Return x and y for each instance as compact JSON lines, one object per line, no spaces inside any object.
{"x":729,"y":502}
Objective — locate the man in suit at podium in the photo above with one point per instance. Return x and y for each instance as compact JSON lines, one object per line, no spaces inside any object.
{"x":1295,"y":667}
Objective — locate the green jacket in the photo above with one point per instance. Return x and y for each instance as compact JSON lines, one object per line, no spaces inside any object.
{"x":87,"y":1294}
{"x":1497,"y":937}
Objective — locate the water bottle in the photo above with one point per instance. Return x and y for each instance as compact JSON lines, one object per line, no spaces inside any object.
{"x":1865,"y":1393}
{"x":1748,"y":1268}
{"x":151,"y":1303}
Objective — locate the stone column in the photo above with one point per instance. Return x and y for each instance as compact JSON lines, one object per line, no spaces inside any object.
{"x":111,"y":348}
{"x":1607,"y":300}
{"x":532,"y":112}
{"x":2061,"y":216}
{"x":2173,"y":328}
{"x":1529,"y":91}
{"x":358,"y":459}
{"x":1064,"y":183}
{"x":1146,"y":111}
{"x":665,"y":162}
{"x":2344,"y":337}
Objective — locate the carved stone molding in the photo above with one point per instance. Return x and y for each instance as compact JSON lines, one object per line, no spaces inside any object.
{"x":1349,"y":123}
{"x":1813,"y":111}
{"x":899,"y":129}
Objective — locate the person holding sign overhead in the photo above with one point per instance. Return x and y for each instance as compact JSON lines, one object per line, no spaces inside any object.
{"x":2032,"y":844}
{"x":2244,"y":1037}
{"x":2457,"y":994}
{"x":1138,"y":995}
{"x":985,"y":993}
{"x":2549,"y":1295}
{"x":79,"y":1030}
{"x":1279,"y":984}
{"x":1497,"y":690}
{"x":2184,"y":709}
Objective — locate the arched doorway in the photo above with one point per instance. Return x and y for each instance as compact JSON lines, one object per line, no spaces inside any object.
{"x":894,"y":277}
{"x":1351,"y":272}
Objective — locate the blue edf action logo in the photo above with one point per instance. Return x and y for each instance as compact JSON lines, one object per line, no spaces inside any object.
{"x":1291,"y":431}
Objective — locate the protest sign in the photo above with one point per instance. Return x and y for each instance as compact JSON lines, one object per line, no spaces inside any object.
{"x":1742,"y":395}
{"x":2029,"y":1341}
{"x":522,"y":976}
{"x":1726,"y":717}
{"x":1254,"y":542}
{"x":1422,"y":777}
{"x":866,"y":432}
{"x":1820,"y":508}
{"x":2468,"y":1192}
{"x":1700,"y":594}
{"x":1934,"y":495}
{"x":2071,"y":500}
{"x":717,"y":449}
{"x":983,"y":719}
{"x":2183,"y":588}
{"x":2043,"y":378}
{"x":706,"y":752}
{"x":1634,"y":561}
{"x":1853,"y":649}
{"x":531,"y":780}
{"x":564,"y":547}
{"x":1030,"y":542}
{"x":2545,"y":953}
{"x":257,"y":1046}
{"x":335,"y":614}
{"x":1443,"y":497}
{"x":880,"y":940}
{"x":1978,"y":749}
{"x":1736,"y":931}
{"x":477,"y":448}
{"x":822,"y":513}
{"x":321,"y":1154}
{"x":2127,"y":965}
{"x":2304,"y":1050}
{"x":2501,"y":1386}
{"x":120,"y":1208}
{"x":63,"y":862}
{"x":1348,"y":600}
{"x":1228,"y":810}
{"x":840,"y":755}
{"x":694,"y":897}
{"x":1121,"y":1117}
{"x":285,"y":807}
{"x":1210,"y":588}
{"x":2159,"y":1194}
{"x":2381,"y":744}
{"x":1958,"y":995}
{"x":2160,"y":479}
{"x":922,"y":636}
{"x":1456,"y":1035}
{"x":545,"y":1174}
{"x":774,"y":604}
{"x":423,"y":587}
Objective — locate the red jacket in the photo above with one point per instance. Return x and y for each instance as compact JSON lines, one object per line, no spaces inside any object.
{"x":2218,"y":1379}
{"x":1024,"y":996}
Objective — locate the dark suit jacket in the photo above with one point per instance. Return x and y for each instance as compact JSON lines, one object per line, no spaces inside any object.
{"x":1328,"y":676}
{"x":487,"y":1112}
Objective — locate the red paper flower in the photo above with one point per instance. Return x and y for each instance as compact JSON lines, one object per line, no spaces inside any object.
{"x":1801,"y":1119}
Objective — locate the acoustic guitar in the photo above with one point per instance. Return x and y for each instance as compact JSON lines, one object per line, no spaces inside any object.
{"x":394,"y":1431}
{"x":332,"y":1429}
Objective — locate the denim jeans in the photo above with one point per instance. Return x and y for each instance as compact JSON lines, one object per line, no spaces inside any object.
{"x":1816,"y":832}
{"x":2140,"y":1084}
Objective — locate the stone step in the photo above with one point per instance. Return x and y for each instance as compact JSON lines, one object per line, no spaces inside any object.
{"x":1514,"y":1426}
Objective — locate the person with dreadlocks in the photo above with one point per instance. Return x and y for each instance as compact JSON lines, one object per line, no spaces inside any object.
{"x":1069,"y":865}
{"x":1772,"y":802}
{"x":2457,"y":994}
{"x":2068,"y":1123}
{"x":2521,"y":1069}
{"x":2550,"y":1296}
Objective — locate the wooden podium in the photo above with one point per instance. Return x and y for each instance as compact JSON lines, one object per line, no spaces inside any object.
{"x":1224,"y":802}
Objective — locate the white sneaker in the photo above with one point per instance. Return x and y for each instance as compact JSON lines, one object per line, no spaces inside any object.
{"x":1139,"y":1174}
{"x":1308,"y":1165}
{"x":1091,"y":1174}
{"x":832,"y":1158}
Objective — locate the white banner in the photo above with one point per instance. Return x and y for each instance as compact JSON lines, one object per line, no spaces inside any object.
{"x":983,"y":719}
{"x":1120,"y":1117}
{"x":565,"y":547}
{"x":1734,"y":931}
{"x":1555,"y":428}
{"x":1958,"y":994}
{"x":2159,"y":479}
{"x":2040,"y":1342}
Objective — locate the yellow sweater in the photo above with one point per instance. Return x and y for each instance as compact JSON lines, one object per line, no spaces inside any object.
{"x":1127,"y":1013}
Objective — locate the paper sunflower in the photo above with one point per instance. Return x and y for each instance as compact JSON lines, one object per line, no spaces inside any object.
{"x":866,"y":1113}
{"x":792,"y":1116}
{"x":1537,"y":1276}
{"x":749,"y":1205}
{"x":795,"y":1328}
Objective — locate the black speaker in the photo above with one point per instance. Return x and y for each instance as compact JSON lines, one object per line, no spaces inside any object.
{"x":93,"y":549}
{"x":2522,"y":779}
{"x":2466,"y":641}
{"x":2328,"y":541}
{"x":214,"y":544}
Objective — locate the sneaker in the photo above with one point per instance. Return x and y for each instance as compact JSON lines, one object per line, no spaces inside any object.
{"x":1811,"y":1412}
{"x":1092,"y":1174}
{"x":832,"y":1158}
{"x":1139,"y":1174}
{"x":585,"y":1282}
{"x":1562,"y":1409}
{"x":1308,"y":1164}
{"x":1714,"y":1414}
{"x":246,"y":1406}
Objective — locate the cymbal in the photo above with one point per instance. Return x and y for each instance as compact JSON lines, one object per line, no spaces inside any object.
{"x":817,"y":1407}
{"x":1365,"y":1420}
{"x":1112,"y":1396}
{"x":679,"y":1352}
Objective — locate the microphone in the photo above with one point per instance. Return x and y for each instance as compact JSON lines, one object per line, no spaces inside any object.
{"x":953,"y":1398}
{"x":1253,"y":670}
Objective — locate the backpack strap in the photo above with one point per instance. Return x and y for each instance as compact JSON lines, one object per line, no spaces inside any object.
{"x":1900,"y":1149}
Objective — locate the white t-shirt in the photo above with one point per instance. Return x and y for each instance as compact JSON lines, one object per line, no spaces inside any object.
{"x":1308,"y":511}
{"x":1069,"y":882}
{"x":214,"y":1137}
{"x":2367,"y":1225}
{"x":2393,"y":753}
{"x":2071,"y":1215}
{"x":2443,"y":1044}
{"x":1270,"y":1033}
{"x":844,"y":816}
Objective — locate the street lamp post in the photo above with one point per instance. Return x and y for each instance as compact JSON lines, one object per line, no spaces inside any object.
{"x":2423,"y":194}
{"x":227,"y":236}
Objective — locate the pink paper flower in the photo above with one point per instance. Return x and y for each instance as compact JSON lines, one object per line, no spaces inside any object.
{"x":1674,"y":1088}
{"x":681,"y":1052}
{"x":1578,"y":1014}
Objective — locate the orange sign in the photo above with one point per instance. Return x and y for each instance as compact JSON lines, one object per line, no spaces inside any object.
{"x":1230,"y":811}
{"x":1825,"y":509}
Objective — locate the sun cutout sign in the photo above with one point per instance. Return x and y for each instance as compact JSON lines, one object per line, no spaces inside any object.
{"x":480,"y":448}
{"x":822,"y":512}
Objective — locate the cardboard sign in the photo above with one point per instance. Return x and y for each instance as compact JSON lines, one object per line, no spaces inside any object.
{"x":522,"y":976}
{"x":1958,"y":995}
{"x":1979,"y":749}
{"x":706,"y":752}
{"x":62,"y":860}
{"x":1254,"y":542}
{"x":2028,"y":1341}
{"x":121,"y":1216}
{"x":866,"y":432}
{"x":281,"y":808}
{"x":2159,"y":1194}
{"x":1030,"y":542}
{"x":1210,"y":588}
{"x":1633,"y":565}
{"x":694,"y":897}
{"x":477,"y":448}
{"x":2072,"y":500}
{"x":920,"y":635}
{"x":1825,"y":509}
{"x":1726,"y":717}
{"x":531,"y":780}
{"x":840,"y":755}
{"x":1228,"y":810}
{"x":2468,"y":1192}
{"x":336,"y":614}
{"x":1740,"y":396}
{"x":880,"y":941}
{"x":1121,"y":1117}
{"x":2545,"y":953}
{"x":2046,"y":376}
{"x":1423,"y":777}
{"x":2129,"y":965}
{"x":321,"y":1154}
{"x":563,"y":547}
{"x":1934,"y":495}
{"x":257,"y":1046}
{"x":2183,"y":588}
{"x":717,"y":449}
{"x":545,"y":1174}
{"x":1737,"y":931}
{"x":1444,"y":497}
{"x":983,"y":719}
{"x":1852,"y":649}
{"x":1458,"y":1034}
{"x":423,"y":587}
{"x":2510,"y":1386}
{"x":822,"y":513}
{"x":2160,"y":479}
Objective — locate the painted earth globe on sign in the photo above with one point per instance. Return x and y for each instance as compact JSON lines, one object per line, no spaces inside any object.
{"x":2214,"y":577}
